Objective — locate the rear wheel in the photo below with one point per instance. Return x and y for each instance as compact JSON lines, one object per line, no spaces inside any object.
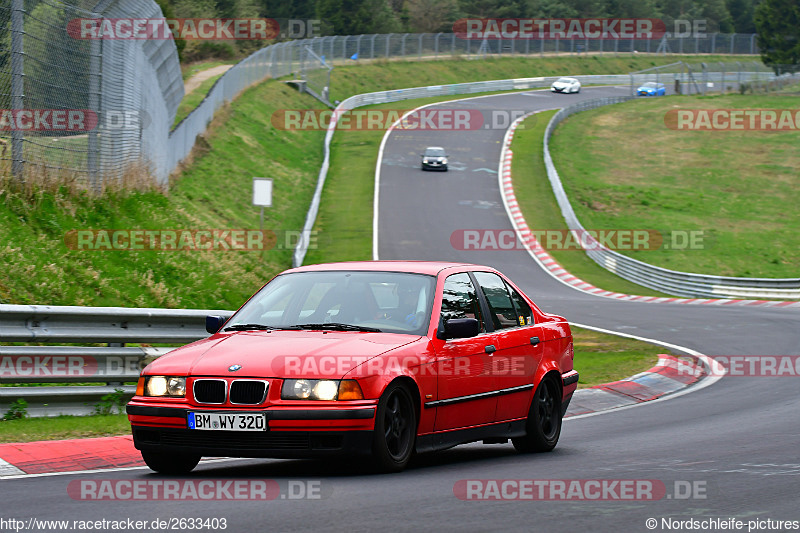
{"x":170,"y":463}
{"x":544,"y":420}
{"x":395,"y":429}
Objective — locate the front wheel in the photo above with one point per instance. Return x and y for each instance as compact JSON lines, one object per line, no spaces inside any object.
{"x":543,"y":426}
{"x":395,"y":429}
{"x":170,"y":463}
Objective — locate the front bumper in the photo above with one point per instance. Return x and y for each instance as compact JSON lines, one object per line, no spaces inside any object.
{"x":292,"y":433}
{"x":277,"y":444}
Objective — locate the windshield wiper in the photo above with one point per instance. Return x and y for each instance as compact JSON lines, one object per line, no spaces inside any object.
{"x":256,"y":327}
{"x":338,"y":326}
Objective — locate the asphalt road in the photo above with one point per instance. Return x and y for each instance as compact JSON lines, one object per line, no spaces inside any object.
{"x":735,"y":442}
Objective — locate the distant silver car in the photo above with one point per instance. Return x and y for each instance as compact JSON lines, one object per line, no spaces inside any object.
{"x":566,"y":85}
{"x":434,"y":158}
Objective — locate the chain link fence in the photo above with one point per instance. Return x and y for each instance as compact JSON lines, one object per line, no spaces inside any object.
{"x":76,"y":109}
{"x":123,"y":94}
{"x":715,"y":77}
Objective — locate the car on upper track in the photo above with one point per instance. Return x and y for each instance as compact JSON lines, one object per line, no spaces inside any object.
{"x":434,"y":158}
{"x":651,"y":88}
{"x":566,"y":85}
{"x":378,"y":359}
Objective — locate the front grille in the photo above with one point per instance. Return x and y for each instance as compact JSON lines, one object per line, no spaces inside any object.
{"x":248,"y":392}
{"x":209,"y":390}
{"x":236,"y":440}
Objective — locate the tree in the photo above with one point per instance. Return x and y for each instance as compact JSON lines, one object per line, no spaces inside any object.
{"x":428,"y":16}
{"x":742,"y":15}
{"x":356,"y":17}
{"x":778,"y":26}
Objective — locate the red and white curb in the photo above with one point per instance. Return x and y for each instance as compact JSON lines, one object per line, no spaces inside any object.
{"x":670,"y":375}
{"x":551,"y":266}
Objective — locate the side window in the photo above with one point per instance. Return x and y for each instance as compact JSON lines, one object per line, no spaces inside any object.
{"x":502,"y":310}
{"x":524,"y":313}
{"x":459,"y":299}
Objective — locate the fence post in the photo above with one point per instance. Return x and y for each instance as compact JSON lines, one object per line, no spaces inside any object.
{"x":753,"y":43}
{"x":419,"y":47}
{"x":403,"y":46}
{"x":372,"y":46}
{"x":388,"y":40}
{"x":92,"y":152}
{"x":436,"y":45}
{"x":705,"y":77}
{"x":17,"y":86}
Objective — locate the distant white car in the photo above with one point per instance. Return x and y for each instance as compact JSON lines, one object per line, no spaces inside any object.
{"x":566,"y":85}
{"x":434,"y":158}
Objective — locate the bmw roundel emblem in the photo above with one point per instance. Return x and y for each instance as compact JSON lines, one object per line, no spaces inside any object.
{"x":234,"y":368}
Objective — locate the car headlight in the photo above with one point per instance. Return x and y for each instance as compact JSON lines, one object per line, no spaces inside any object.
{"x":444,"y":160}
{"x":425,"y":160}
{"x":321,"y":389}
{"x":171,"y":386}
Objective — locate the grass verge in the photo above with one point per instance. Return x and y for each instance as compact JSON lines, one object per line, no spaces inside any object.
{"x":538,"y":204}
{"x":193,"y":99}
{"x":622,"y":167}
{"x":63,"y":427}
{"x":212,"y":193}
{"x":602,"y":358}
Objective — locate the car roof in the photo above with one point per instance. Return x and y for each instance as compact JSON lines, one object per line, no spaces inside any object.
{"x":434,"y":148}
{"x":417,"y":267}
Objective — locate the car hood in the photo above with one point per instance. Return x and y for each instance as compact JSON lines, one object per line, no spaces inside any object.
{"x":561,"y":84}
{"x":278,"y":353}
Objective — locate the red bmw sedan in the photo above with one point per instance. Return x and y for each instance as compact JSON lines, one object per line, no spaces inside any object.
{"x":373,"y":358}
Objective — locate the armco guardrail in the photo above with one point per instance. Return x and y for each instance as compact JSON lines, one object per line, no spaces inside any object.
{"x":112,"y":365}
{"x":685,"y":284}
{"x":397,"y":95}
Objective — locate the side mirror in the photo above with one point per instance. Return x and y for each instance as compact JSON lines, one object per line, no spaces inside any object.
{"x":459,"y":328}
{"x":214,"y":323}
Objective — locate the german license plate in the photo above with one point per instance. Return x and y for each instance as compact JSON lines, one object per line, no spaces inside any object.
{"x":228,"y":421}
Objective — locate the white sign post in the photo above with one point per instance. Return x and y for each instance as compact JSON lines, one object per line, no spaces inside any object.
{"x":262,"y":195}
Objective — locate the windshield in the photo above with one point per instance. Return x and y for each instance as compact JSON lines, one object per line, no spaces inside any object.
{"x":434,"y":152}
{"x":387,"y":301}
{"x":565,"y":80}
{"x":650,"y":85}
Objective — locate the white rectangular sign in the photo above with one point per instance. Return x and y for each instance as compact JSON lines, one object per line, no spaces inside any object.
{"x":262,"y":192}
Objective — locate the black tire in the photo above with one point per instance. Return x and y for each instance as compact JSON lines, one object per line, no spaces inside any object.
{"x":395,"y":429}
{"x":544,"y":420}
{"x":170,"y":463}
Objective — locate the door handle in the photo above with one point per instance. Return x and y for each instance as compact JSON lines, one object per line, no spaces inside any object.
{"x":490,"y":349}
{"x":534,"y":340}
